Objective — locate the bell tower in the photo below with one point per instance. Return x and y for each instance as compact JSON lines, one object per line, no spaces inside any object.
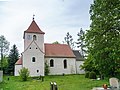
{"x":33,"y":55}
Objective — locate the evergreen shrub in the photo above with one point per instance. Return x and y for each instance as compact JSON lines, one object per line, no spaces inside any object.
{"x":92,"y":75}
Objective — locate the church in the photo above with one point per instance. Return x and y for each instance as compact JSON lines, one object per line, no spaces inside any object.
{"x":60,"y":58}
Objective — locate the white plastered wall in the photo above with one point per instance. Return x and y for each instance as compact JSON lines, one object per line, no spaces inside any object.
{"x":17,"y":69}
{"x":58,"y":68}
{"x":78,"y":68}
{"x":34,"y":51}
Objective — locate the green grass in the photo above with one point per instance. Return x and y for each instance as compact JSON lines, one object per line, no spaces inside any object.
{"x":67,"y":82}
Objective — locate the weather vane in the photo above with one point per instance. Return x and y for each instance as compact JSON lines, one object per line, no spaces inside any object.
{"x":33,"y":16}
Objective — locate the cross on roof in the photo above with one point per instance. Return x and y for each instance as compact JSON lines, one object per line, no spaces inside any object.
{"x":33,"y":16}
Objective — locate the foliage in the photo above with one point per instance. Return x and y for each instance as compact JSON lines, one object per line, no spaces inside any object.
{"x":5,"y":64}
{"x":4,"y":47}
{"x":88,"y":64}
{"x":81,"y":42}
{"x":69,"y":40}
{"x":92,"y":75}
{"x":87,"y":74}
{"x":12,"y":59}
{"x":47,"y":70}
{"x":24,"y":74}
{"x":103,"y":38}
{"x":56,"y":42}
{"x":67,"y":82}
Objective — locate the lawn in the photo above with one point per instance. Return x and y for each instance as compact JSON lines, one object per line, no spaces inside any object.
{"x":67,"y":82}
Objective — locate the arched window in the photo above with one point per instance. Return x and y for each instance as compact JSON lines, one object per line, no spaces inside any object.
{"x":34,"y":37}
{"x":33,"y":59}
{"x":51,"y":63}
{"x":65,"y":63}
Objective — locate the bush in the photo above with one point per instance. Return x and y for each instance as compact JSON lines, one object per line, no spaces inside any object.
{"x":46,"y":69}
{"x":92,"y":75}
{"x":87,"y":74}
{"x":24,"y":74}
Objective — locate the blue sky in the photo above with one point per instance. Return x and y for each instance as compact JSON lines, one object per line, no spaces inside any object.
{"x":54,"y":17}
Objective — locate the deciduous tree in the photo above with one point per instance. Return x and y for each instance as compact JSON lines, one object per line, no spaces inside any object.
{"x":103,"y":38}
{"x":4,"y":47}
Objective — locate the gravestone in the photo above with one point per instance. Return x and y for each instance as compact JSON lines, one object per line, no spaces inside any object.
{"x":1,"y":76}
{"x":114,"y":82}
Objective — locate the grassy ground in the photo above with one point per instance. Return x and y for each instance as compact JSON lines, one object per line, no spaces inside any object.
{"x":67,"y":82}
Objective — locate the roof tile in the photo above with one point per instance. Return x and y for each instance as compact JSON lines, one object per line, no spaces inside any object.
{"x":58,"y":50}
{"x":34,"y":28}
{"x":19,"y":61}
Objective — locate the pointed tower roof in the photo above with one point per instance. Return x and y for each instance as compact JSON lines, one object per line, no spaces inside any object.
{"x":34,"y":28}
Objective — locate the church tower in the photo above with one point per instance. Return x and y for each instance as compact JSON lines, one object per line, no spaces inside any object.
{"x":33,"y":55}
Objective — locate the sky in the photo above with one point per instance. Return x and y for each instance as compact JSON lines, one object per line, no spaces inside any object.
{"x":54,"y":17}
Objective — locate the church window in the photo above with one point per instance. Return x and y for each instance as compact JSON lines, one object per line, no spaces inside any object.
{"x":37,"y":71}
{"x":34,"y":37}
{"x":51,"y":63}
{"x":65,"y":64}
{"x":30,"y":47}
{"x":33,"y":59}
{"x":29,"y":37}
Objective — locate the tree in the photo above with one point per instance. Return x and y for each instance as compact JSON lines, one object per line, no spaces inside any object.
{"x":103,"y":38}
{"x":69,"y":40}
{"x":4,"y":47}
{"x":56,"y":42}
{"x":5,"y":64}
{"x":12,"y":58}
{"x":81,"y":42}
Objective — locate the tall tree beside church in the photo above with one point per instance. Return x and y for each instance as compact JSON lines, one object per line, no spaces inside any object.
{"x":103,"y":38}
{"x":69,"y":40}
{"x":81,"y":42}
{"x":12,"y":58}
{"x":4,"y":47}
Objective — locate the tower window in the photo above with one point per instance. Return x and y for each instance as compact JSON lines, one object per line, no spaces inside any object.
{"x":34,"y":37}
{"x":51,"y":63}
{"x":65,"y":64}
{"x":33,"y":59}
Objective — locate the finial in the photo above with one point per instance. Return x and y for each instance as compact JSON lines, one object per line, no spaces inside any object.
{"x":33,"y":16}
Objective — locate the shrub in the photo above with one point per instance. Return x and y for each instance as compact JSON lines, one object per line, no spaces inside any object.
{"x":46,"y":69}
{"x":92,"y":75}
{"x":24,"y":74}
{"x":87,"y":74}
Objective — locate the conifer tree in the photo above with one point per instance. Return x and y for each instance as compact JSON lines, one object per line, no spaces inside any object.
{"x":12,"y":58}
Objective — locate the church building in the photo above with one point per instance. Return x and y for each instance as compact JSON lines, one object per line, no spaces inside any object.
{"x":59,"y":57}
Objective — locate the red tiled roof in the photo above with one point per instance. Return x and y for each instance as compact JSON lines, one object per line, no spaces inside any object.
{"x":19,"y":61}
{"x":34,"y":28}
{"x":58,"y":50}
